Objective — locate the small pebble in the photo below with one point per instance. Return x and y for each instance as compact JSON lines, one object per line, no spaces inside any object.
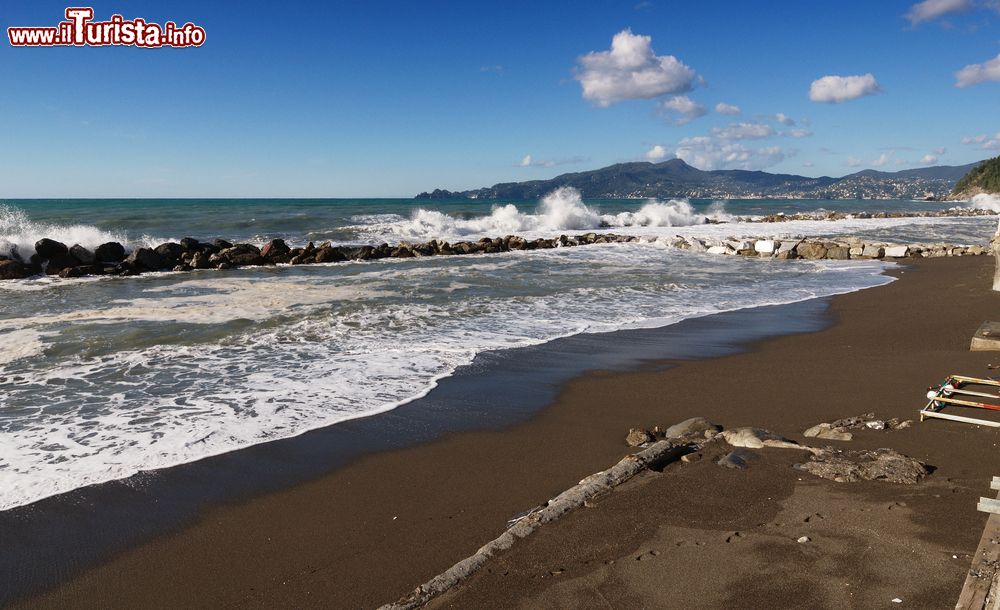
{"x":896,"y":600}
{"x":803,"y":539}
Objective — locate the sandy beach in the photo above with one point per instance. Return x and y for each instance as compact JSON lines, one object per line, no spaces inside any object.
{"x":368,"y":533}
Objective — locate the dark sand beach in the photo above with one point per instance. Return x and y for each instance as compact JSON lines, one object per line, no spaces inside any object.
{"x":370,"y":531}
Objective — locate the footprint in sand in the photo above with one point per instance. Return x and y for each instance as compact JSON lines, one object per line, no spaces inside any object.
{"x":814,"y":517}
{"x":647,"y":555}
{"x":734,"y":537}
{"x":896,"y":505}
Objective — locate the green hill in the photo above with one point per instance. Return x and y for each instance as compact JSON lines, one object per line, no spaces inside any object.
{"x":984,"y":178}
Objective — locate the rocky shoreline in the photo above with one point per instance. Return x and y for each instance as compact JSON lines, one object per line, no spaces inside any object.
{"x":55,"y":258}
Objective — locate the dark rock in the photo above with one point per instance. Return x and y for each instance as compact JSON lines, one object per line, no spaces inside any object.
{"x":224,"y":265}
{"x":402,"y":252}
{"x":111,"y":252}
{"x":78,"y":271}
{"x":58,"y":262}
{"x":191,"y":244}
{"x":199,"y":261}
{"x":146,"y":259}
{"x":838,"y":253}
{"x":275,"y":247}
{"x":83,"y":255}
{"x":247,"y":259}
{"x":329,"y":254}
{"x":170,"y":251}
{"x":222,"y":244}
{"x":13,"y":270}
{"x":48,"y":248}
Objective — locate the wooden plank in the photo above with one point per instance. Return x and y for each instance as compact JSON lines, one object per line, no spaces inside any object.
{"x":988,"y":505}
{"x":995,"y":484}
{"x":982,"y":574}
{"x":967,"y":420}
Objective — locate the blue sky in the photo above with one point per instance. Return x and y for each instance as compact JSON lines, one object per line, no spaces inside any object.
{"x":358,"y":99}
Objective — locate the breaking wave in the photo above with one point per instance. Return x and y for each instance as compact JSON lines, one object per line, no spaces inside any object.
{"x":560,"y":210}
{"x":984,"y":201}
{"x":18,"y":234}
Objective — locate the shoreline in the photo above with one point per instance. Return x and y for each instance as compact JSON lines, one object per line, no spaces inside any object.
{"x":160,"y":502}
{"x":318,"y":538}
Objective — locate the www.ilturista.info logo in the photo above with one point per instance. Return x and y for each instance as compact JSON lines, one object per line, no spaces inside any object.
{"x":80,"y":30}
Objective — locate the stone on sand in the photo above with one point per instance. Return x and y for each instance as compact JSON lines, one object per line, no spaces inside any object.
{"x":828,"y":432}
{"x":638,"y":436}
{"x":874,"y":465}
{"x":695,"y":425}
{"x":757,"y":438}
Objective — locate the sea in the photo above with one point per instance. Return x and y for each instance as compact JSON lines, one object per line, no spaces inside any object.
{"x":105,"y":377}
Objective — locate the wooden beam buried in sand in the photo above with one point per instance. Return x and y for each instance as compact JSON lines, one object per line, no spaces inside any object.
{"x":967,"y":420}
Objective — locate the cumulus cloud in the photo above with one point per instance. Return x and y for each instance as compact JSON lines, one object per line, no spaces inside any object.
{"x":882,"y":160}
{"x":744,"y":131}
{"x":656,"y":153}
{"x":631,"y":70}
{"x":974,"y":74}
{"x":784,"y":119}
{"x":682,"y":109}
{"x":984,"y":141}
{"x":709,"y":153}
{"x":724,"y":108}
{"x":837,"y":89}
{"x":932,"y":9}
{"x":529,"y":161}
{"x":927,"y":160}
{"x":800,"y":133}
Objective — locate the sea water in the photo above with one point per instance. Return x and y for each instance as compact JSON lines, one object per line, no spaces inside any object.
{"x":104,"y":377}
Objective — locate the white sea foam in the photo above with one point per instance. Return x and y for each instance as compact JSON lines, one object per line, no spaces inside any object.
{"x":138,"y":392}
{"x":561,"y":210}
{"x":18,"y":234}
{"x":985,"y":201}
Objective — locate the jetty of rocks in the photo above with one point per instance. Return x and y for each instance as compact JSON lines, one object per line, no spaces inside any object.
{"x":54,"y":258}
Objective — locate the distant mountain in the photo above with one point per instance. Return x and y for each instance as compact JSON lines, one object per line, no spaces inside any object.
{"x":675,"y":178}
{"x":983,"y":178}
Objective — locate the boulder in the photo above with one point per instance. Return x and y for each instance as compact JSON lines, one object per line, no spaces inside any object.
{"x":736,"y":459}
{"x":695,"y":425}
{"x":764,"y":246}
{"x":638,"y":436}
{"x":58,"y":262}
{"x":828,"y":432}
{"x":275,"y":247}
{"x":222,"y":244}
{"x":147,"y":259}
{"x":82,"y":254}
{"x":810,"y":250}
{"x":873,"y":251}
{"x":896,"y":251}
{"x":13,"y":270}
{"x":171,"y":252}
{"x":48,"y":248}
{"x":875,"y":465}
{"x":111,"y":252}
{"x":840,"y":253}
{"x":720,"y":250}
{"x":199,"y":261}
{"x":329,"y":254}
{"x":191,"y":244}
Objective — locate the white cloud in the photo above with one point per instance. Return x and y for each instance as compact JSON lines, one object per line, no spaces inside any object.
{"x":529,"y":161}
{"x":656,"y":153}
{"x":940,"y":150}
{"x":808,"y":164}
{"x":708,"y":153}
{"x":724,"y":108}
{"x":882,"y":160}
{"x":837,"y":89}
{"x":784,"y":119}
{"x":800,"y":133}
{"x":932,"y":9}
{"x":854,"y":162}
{"x":683,"y":109}
{"x":526,"y":161}
{"x":927,"y":160}
{"x":973,"y":74}
{"x":631,"y":70}
{"x":495,"y":68}
{"x":985,"y":141}
{"x":743,"y":131}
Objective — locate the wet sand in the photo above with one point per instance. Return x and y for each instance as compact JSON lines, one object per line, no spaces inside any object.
{"x":371,"y":531}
